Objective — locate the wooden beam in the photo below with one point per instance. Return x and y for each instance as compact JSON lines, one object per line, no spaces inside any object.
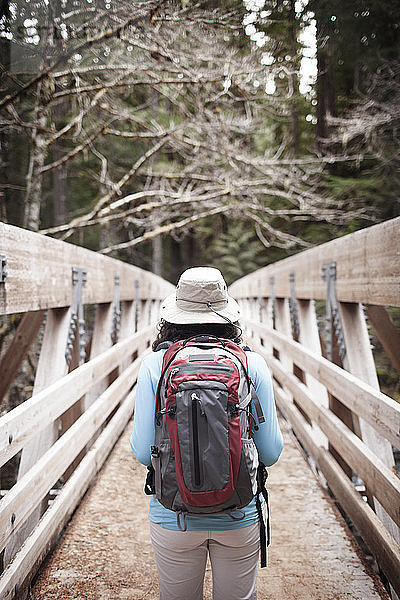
{"x":386,"y":331}
{"x":367,"y":269}
{"x":381,"y":411}
{"x":27,"y":493}
{"x":101,"y":341}
{"x":383,"y":547}
{"x":39,"y":274}
{"x":309,"y":337}
{"x":379,"y":478}
{"x":51,"y":367}
{"x":15,"y":353}
{"x":17,"y":576}
{"x":24,"y":421}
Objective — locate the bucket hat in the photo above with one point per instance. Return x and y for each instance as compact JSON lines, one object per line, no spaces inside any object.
{"x":201,"y":296}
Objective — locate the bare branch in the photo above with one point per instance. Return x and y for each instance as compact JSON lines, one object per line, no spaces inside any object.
{"x":123,"y":181}
{"x":65,"y":57}
{"x":149,"y":235}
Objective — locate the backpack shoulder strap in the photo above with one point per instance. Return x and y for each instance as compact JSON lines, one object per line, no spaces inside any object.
{"x":171,"y":352}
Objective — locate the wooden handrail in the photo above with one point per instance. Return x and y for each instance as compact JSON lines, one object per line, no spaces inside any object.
{"x":367,"y":269}
{"x":379,"y":479}
{"x":381,"y":411}
{"x":18,"y":574}
{"x":343,"y":420}
{"x":18,"y":425}
{"x":39,"y":274}
{"x":382,"y":545}
{"x":44,"y":274}
{"x":21,"y":500}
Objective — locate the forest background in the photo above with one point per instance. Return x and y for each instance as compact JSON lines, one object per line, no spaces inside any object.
{"x":176,"y":133}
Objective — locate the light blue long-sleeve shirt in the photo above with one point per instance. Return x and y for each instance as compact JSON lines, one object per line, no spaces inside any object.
{"x":268,"y":438}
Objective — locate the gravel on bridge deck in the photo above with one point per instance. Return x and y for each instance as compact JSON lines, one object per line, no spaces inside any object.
{"x":105,"y":552}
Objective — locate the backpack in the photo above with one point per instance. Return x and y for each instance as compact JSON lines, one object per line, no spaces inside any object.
{"x":204,"y":458}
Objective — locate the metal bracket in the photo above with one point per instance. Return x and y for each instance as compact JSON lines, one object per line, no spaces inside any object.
{"x":273,"y":300}
{"x":149,"y":304}
{"x":3,"y":272}
{"x":136,"y":303}
{"x":332,"y":311}
{"x":77,"y":323}
{"x":116,"y":316}
{"x":293,"y":308}
{"x":259,"y":301}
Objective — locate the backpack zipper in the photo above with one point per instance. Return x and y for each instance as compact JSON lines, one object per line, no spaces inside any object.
{"x":187,"y":368}
{"x":196,"y":451}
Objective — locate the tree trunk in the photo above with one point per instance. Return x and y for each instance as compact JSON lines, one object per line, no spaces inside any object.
{"x":157,"y":258}
{"x":37,"y":157}
{"x":5,"y":60}
{"x":39,"y":145}
{"x":326,"y":92}
{"x":293,"y":79}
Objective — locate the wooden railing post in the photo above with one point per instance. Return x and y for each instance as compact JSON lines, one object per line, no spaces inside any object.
{"x":51,"y":367}
{"x":283,"y":325}
{"x":101,"y":341}
{"x":309,"y":337}
{"x":359,"y":360}
{"x":386,"y":331}
{"x":16,"y":352}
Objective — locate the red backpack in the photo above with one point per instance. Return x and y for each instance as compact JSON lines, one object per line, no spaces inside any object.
{"x":204,"y":458}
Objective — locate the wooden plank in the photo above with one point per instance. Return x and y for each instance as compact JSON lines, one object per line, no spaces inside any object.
{"x":40,"y":274}
{"x":17,"y":426}
{"x":101,"y":341}
{"x":127,"y":328}
{"x":15,"y":353}
{"x":384,"y":548}
{"x":283,"y":325}
{"x":367,"y":265}
{"x":51,"y":367}
{"x":381,"y":411}
{"x":379,"y":478}
{"x":360,"y":361}
{"x":309,"y":338}
{"x":25,"y":495}
{"x":17,"y":576}
{"x":386,"y":331}
{"x":302,"y":429}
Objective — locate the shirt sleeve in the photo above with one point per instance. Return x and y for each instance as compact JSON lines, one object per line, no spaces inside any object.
{"x":142,"y":436}
{"x":268,"y":437}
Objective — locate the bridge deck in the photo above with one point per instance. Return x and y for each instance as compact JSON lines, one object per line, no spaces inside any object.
{"x":105,"y":552}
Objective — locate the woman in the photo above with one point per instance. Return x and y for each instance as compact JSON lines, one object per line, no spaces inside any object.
{"x":201,"y":305}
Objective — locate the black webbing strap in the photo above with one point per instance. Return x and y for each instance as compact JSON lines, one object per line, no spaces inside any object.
{"x":256,"y":403}
{"x":265,"y":529}
{"x":263,"y":540}
{"x":149,"y":487}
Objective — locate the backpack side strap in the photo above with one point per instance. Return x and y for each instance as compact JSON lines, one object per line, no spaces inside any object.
{"x":265,"y":528}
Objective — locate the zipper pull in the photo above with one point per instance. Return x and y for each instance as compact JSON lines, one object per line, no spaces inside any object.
{"x":171,"y":374}
{"x":195,"y":398}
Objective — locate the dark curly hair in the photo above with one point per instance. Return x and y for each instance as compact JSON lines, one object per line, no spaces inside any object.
{"x":171,"y":332}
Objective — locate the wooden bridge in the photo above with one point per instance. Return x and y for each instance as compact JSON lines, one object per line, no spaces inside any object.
{"x":93,"y":319}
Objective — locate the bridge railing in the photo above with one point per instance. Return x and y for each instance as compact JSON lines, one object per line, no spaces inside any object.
{"x":84,"y":388}
{"x":325,"y":378}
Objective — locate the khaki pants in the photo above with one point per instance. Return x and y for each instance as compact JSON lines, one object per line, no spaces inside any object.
{"x":181,"y":561}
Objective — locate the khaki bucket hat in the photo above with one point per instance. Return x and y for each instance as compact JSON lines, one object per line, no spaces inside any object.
{"x":201,"y":296}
